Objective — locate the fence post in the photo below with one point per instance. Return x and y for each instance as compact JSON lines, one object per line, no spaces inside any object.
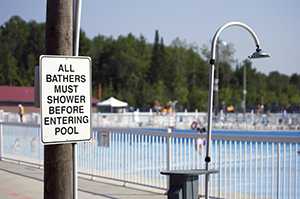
{"x":169,"y":150}
{"x":1,"y":141}
{"x":169,"y":154}
{"x":278,"y":170}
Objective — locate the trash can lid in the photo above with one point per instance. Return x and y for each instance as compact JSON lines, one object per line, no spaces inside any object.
{"x":191,"y":172}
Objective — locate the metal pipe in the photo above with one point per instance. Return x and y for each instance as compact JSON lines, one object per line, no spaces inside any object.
{"x":240,"y":168}
{"x":234,"y":23}
{"x":76,"y":35}
{"x":235,"y":165}
{"x":225,"y":169}
{"x":211,"y":88}
{"x":220,"y":174}
{"x":244,"y":91}
{"x":75,"y":171}
{"x":229,"y":175}
{"x":278,"y":170}
{"x":245,"y":168}
{"x":209,"y":125}
{"x":76,"y":25}
{"x":296,"y":166}
{"x":261,"y":167}
{"x":169,"y":155}
{"x":250,"y":170}
{"x":273,"y":172}
{"x":267,"y":166}
{"x":215,"y":166}
{"x":283,"y":169}
{"x":290,"y":171}
{"x":256,"y":172}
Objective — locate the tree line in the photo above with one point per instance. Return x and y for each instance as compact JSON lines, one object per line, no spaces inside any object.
{"x":139,"y":72}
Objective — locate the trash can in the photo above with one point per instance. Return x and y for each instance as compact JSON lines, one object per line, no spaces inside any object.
{"x":183,"y":184}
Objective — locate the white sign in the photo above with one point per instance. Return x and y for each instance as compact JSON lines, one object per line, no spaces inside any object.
{"x":65,"y":99}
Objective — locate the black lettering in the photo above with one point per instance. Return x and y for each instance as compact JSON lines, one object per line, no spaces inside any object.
{"x":70,"y":110}
{"x":51,"y":110}
{"x":46,"y":121}
{"x":58,"y":109}
{"x":54,"y":78}
{"x":69,"y":99}
{"x":81,"y":110}
{"x":57,"y":88}
{"x":61,"y":68}
{"x":85,"y":119}
{"x":71,"y":130}
{"x":65,"y":78}
{"x":75,"y":88}
{"x":49,"y":99}
{"x":54,"y":99}
{"x":82,"y":99}
{"x":48,"y":78}
{"x":71,"y":78}
{"x":61,"y":99}
{"x":70,"y":120}
{"x":52,"y":120}
{"x":65,"y":88}
{"x":57,"y":129}
{"x":75,"y":109}
{"x":66,"y":98}
{"x":71,"y":69}
{"x":63,"y":130}
{"x":77,"y":78}
{"x":79,"y":120}
{"x":66,"y":120}
{"x":58,"y":120}
{"x":82,"y":77}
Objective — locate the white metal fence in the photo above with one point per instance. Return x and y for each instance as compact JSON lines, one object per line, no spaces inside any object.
{"x":250,"y":167}
{"x":180,"y":120}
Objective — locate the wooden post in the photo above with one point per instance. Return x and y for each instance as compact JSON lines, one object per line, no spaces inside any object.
{"x":58,"y":159}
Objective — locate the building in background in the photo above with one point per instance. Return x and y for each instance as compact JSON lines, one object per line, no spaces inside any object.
{"x":12,"y":96}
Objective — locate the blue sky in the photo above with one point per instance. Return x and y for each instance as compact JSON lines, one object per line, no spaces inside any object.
{"x":274,"y":21}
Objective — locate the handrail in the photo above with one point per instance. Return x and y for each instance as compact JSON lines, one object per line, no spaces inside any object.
{"x":163,"y":133}
{"x":19,"y":124}
{"x":155,"y":132}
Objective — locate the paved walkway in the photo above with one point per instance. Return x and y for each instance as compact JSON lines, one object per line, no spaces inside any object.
{"x":23,"y":182}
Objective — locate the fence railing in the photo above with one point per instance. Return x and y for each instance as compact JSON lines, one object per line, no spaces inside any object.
{"x":250,"y":166}
{"x":180,"y":120}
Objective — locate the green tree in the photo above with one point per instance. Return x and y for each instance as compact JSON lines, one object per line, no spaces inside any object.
{"x":156,"y":69}
{"x":9,"y":69}
{"x":197,"y":99}
{"x":139,"y":72}
{"x":84,"y":44}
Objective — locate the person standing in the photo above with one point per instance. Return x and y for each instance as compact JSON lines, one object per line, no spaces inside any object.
{"x":200,"y":141}
{"x":21,"y":112}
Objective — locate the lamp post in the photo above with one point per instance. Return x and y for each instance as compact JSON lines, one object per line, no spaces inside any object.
{"x":257,"y":54}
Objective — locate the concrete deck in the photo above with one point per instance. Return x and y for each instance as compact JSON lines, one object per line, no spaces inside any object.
{"x":24,"y":182}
